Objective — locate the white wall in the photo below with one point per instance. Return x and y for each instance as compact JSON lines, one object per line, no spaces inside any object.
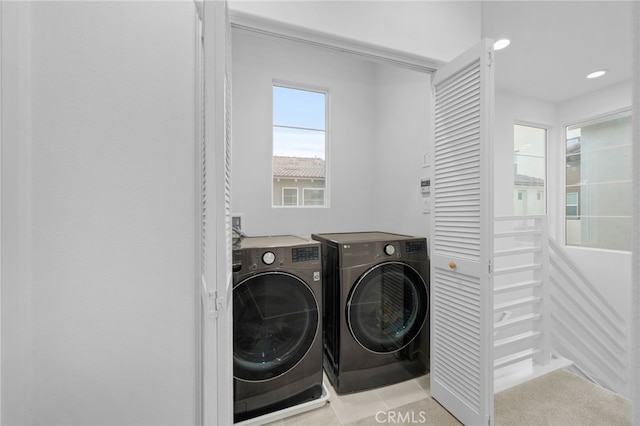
{"x":350,"y":166}
{"x":104,"y":276}
{"x":438,"y":30}
{"x":404,"y":116}
{"x":378,"y":131}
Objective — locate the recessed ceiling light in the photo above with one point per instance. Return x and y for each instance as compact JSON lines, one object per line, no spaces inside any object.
{"x":501,"y":44}
{"x":597,"y":74}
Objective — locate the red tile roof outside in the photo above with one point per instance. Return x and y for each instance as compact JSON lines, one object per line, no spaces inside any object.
{"x":298,"y":167}
{"x":524,"y":180}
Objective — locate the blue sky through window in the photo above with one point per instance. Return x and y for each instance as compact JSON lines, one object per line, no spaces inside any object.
{"x":299,"y":123}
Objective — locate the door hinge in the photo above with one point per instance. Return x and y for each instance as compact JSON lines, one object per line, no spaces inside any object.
{"x":490,"y":268}
{"x":490,"y":59}
{"x":210,"y":300}
{"x":212,"y":305}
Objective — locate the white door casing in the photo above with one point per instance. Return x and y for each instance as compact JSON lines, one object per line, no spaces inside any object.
{"x":462,"y":237}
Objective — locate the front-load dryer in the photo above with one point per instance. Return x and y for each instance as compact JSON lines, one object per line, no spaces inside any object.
{"x":277,"y":324}
{"x":376,"y":309}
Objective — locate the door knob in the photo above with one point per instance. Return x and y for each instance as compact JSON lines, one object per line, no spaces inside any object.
{"x":452,"y":265}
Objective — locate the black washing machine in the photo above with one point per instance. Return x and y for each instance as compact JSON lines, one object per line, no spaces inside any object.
{"x":277,"y":324}
{"x":376,"y":309}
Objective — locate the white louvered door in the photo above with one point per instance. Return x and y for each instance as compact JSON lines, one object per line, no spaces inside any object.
{"x":462,"y":243}
{"x":215,"y":210}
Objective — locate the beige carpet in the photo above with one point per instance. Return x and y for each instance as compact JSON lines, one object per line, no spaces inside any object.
{"x":560,"y":398}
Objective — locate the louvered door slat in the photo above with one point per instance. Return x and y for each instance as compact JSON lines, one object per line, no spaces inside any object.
{"x":461,"y":373}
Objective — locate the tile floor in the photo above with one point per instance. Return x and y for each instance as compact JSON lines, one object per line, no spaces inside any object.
{"x":345,"y":409}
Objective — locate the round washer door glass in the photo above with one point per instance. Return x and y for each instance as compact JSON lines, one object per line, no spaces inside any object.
{"x":275,"y":321}
{"x":387,"y":307}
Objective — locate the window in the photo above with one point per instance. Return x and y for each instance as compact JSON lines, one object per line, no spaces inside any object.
{"x":572,"y":205}
{"x":598,"y":183}
{"x":289,"y":196}
{"x":299,"y":146}
{"x":529,"y":169}
{"x":313,"y":196}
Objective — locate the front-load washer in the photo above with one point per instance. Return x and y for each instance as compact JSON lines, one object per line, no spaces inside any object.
{"x":277,"y":324}
{"x":376,"y":309}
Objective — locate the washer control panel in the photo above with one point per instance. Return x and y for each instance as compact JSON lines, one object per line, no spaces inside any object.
{"x":254,"y":259}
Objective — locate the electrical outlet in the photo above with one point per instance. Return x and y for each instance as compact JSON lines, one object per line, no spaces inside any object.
{"x":236,"y":222}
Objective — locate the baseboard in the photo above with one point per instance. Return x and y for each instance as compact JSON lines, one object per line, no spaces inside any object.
{"x":521,"y":372}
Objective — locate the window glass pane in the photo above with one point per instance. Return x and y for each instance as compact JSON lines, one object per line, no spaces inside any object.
{"x":298,"y":108}
{"x":529,"y":161}
{"x":598,"y":183}
{"x":313,"y":197}
{"x":299,"y":146}
{"x":529,"y":140}
{"x":288,"y":142}
{"x":289,"y":196}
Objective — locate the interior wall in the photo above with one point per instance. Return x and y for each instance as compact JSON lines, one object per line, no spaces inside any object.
{"x":379,"y":129}
{"x":257,"y":61}
{"x":104,"y":274}
{"x":403,"y":132}
{"x":438,"y":30}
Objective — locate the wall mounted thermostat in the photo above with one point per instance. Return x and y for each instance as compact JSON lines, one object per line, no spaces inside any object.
{"x":425,"y":186}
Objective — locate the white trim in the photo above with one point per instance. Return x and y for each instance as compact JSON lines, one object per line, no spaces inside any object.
{"x":1,"y":99}
{"x":635,"y":240}
{"x":16,"y":210}
{"x":248,"y":22}
{"x":198,"y":136}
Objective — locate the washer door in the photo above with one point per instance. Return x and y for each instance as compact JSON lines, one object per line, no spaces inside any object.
{"x":275,"y":321}
{"x":387,"y":307}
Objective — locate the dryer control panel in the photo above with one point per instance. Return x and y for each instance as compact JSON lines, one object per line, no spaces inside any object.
{"x":362,"y":252}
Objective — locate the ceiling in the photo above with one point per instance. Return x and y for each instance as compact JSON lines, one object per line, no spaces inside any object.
{"x":555,"y":44}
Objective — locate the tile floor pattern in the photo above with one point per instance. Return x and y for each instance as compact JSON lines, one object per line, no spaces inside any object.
{"x":346,"y":409}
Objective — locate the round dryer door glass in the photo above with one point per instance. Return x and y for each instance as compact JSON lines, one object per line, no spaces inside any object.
{"x":387,"y":307}
{"x":275,"y":321}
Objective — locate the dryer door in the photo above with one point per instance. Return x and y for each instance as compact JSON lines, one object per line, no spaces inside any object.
{"x":387,"y":307}
{"x":275,"y":321}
